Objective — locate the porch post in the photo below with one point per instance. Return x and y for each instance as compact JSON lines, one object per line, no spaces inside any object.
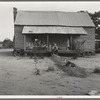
{"x":48,"y":40}
{"x":24,"y":42}
{"x":83,"y":43}
{"x":71,"y":42}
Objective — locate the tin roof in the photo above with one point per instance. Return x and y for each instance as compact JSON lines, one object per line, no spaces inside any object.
{"x":50,"y":30}
{"x":53,"y":18}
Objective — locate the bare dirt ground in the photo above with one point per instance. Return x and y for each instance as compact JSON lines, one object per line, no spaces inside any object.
{"x":17,"y":76}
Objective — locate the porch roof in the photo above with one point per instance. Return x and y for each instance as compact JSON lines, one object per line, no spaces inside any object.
{"x":52,"y":30}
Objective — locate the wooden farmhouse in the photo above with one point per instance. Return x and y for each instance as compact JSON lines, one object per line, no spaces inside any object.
{"x":66,"y":29}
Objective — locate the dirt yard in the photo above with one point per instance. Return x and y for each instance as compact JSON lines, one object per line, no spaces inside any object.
{"x":17,"y":76}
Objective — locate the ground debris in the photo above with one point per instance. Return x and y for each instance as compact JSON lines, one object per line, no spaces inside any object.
{"x":93,"y":92}
{"x":37,"y":72}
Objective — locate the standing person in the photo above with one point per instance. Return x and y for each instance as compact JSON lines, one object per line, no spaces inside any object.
{"x":55,"y":49}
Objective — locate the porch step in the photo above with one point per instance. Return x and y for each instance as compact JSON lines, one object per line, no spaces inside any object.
{"x":66,"y":51}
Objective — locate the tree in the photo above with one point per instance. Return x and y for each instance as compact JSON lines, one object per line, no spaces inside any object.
{"x":7,"y":43}
{"x":96,"y":19}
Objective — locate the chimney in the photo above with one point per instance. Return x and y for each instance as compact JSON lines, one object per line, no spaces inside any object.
{"x":14,"y":13}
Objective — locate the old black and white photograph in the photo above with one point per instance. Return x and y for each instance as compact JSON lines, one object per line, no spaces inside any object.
{"x":50,"y":48}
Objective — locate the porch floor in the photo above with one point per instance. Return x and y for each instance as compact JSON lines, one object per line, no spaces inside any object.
{"x":49,"y":51}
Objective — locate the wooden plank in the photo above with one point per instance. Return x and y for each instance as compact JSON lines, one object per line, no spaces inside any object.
{"x":90,"y":37}
{"x":24,"y":42}
{"x":71,"y":42}
{"x":19,"y":38}
{"x":48,"y":40}
{"x":66,"y":51}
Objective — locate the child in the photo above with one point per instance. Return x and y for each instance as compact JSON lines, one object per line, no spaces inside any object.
{"x":55,"y":49}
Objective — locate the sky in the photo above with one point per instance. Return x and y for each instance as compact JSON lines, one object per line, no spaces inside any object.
{"x":6,"y":11}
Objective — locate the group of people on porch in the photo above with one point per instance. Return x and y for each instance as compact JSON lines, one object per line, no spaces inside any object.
{"x":37,"y":43}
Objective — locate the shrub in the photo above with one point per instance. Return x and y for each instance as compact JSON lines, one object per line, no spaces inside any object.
{"x":96,"y":70}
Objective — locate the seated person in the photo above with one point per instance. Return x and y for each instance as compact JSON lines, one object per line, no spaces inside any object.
{"x":37,"y":43}
{"x":55,"y":49}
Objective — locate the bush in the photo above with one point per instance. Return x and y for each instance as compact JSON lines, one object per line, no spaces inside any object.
{"x":96,"y":70}
{"x":78,"y":47}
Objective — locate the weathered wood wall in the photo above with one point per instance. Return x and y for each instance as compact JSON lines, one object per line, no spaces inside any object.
{"x":90,"y":39}
{"x":89,"y":44}
{"x":19,"y":38}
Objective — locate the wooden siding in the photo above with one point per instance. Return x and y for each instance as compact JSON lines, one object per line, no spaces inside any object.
{"x":89,"y":44}
{"x":19,"y":38}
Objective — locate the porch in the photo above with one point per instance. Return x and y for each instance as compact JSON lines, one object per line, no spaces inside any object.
{"x":64,"y":37}
{"x":65,"y":43}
